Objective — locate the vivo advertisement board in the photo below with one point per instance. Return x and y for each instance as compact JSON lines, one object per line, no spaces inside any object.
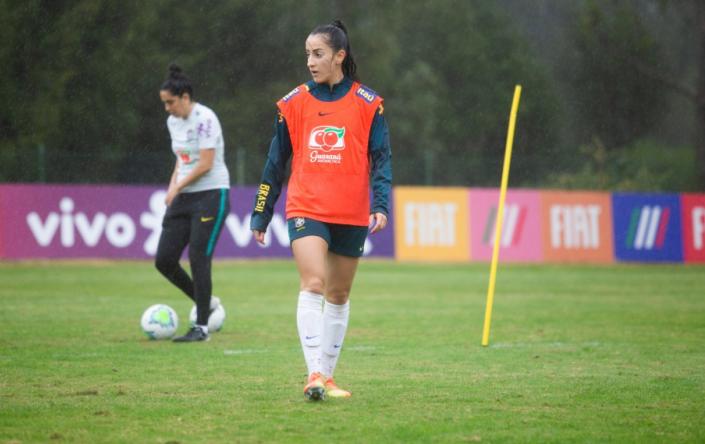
{"x":124,"y":222}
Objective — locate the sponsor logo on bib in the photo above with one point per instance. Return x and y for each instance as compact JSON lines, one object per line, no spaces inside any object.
{"x":324,"y":141}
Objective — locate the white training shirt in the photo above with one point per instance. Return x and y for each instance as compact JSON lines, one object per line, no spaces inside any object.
{"x":200,"y":130}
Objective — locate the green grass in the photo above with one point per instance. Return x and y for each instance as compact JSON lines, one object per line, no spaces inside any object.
{"x":577,"y":354}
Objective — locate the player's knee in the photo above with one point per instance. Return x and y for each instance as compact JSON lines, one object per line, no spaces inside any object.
{"x":165,"y":264}
{"x":314,"y":285}
{"x":337,"y":296}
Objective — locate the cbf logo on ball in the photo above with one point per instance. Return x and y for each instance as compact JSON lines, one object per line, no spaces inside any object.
{"x":323,"y":140}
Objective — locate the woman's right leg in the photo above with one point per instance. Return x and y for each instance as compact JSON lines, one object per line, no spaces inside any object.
{"x":172,"y":242}
{"x":310,"y":255}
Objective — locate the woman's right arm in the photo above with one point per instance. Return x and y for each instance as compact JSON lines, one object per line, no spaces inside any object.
{"x":272,"y":179}
{"x":171,"y":192}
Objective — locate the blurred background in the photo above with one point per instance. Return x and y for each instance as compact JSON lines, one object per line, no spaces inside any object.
{"x":613,"y":99}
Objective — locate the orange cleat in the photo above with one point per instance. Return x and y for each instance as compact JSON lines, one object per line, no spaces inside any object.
{"x":334,"y":391}
{"x":315,"y":389}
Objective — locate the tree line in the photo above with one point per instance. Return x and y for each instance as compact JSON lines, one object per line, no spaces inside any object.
{"x":613,"y":91}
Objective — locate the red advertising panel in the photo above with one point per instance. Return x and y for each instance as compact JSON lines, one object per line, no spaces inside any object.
{"x":693,"y":219}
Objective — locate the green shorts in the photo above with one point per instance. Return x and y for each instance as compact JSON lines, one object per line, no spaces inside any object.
{"x":345,"y":240}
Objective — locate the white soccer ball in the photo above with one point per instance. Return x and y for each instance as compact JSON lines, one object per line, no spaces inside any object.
{"x":159,"y":322}
{"x":215,"y":320}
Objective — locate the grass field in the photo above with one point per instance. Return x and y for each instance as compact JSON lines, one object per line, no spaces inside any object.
{"x":577,"y":354}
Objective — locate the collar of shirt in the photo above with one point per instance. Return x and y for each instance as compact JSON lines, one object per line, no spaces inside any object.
{"x":322,"y":91}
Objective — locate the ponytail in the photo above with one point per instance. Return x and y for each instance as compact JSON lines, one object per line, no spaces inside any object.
{"x":337,"y":36}
{"x":177,"y":83}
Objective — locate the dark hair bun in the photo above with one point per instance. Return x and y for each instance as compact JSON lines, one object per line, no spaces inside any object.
{"x":176,"y":82}
{"x":175,"y":70}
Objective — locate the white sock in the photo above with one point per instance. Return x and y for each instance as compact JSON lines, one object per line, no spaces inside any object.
{"x":335,"y":323}
{"x":309,"y":322}
{"x":203,"y":328}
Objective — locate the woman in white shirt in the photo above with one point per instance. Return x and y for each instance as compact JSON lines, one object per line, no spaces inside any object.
{"x":197,"y":198}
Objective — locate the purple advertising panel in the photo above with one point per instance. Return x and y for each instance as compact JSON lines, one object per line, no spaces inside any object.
{"x":79,"y":221}
{"x":75,"y":221}
{"x":236,"y":239}
{"x":381,"y":244}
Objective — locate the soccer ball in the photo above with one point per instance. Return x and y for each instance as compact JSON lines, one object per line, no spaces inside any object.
{"x":215,"y":320}
{"x":159,"y":322}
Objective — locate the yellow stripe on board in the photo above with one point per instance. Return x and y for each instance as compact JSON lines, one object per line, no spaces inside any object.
{"x":500,"y":214}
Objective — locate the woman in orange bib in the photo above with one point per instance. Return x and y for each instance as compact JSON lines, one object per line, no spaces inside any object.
{"x":333,"y":130}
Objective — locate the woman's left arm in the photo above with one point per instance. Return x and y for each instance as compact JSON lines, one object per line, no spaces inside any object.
{"x":380,"y":152}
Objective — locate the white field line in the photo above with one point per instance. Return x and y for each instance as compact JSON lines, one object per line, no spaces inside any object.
{"x":545,"y":344}
{"x":252,"y":351}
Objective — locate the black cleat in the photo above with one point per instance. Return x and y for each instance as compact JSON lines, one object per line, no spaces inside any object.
{"x":195,"y":334}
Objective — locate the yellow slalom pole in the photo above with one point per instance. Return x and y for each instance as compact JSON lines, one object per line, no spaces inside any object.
{"x":500,"y":214}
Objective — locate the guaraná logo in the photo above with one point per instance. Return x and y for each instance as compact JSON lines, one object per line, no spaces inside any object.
{"x":327,"y":138}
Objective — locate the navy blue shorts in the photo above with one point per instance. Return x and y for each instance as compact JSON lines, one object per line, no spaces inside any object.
{"x":345,"y":240}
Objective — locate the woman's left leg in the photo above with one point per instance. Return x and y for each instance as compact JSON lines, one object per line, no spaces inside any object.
{"x":206,"y":225}
{"x":340,"y":273}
